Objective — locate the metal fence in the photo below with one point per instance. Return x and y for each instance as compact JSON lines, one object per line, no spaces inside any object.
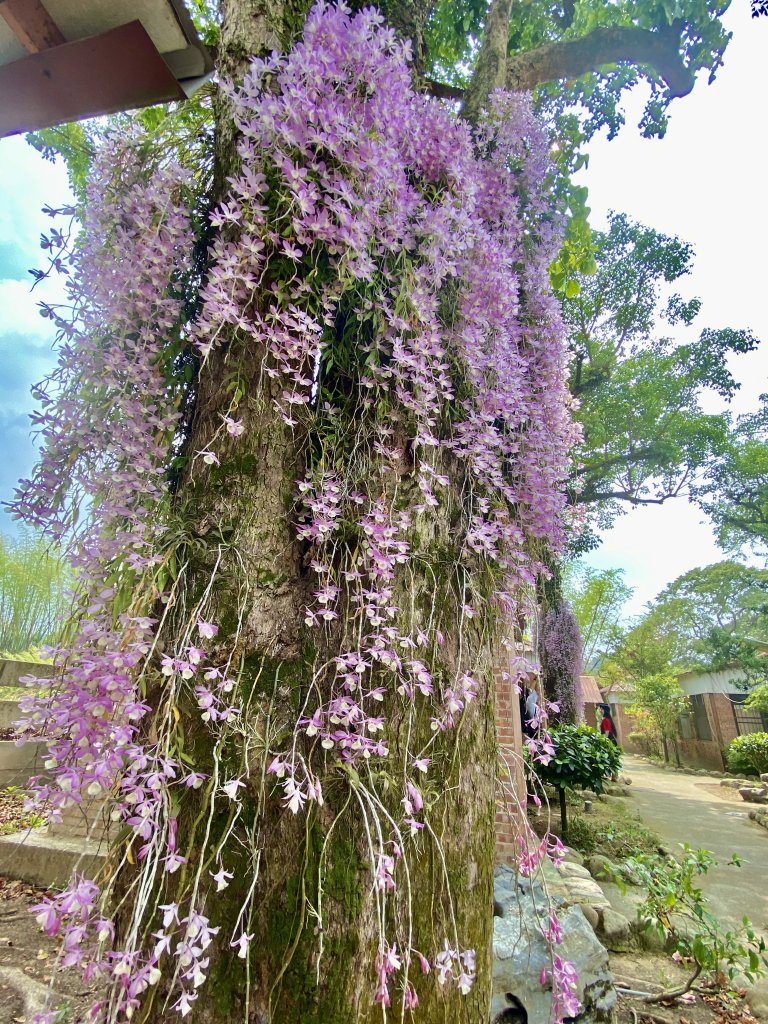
{"x":748,"y":719}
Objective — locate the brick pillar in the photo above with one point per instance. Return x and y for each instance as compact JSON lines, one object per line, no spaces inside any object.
{"x":722,"y":721}
{"x":510,"y":796}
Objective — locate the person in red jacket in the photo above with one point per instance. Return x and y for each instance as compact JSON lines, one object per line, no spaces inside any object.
{"x":607,"y":728}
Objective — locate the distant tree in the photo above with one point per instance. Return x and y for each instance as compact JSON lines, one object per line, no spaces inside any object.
{"x":644,"y":650}
{"x":597,"y":599}
{"x":714,"y":617}
{"x":661,"y":698}
{"x":646,"y":438}
{"x":33,"y":602}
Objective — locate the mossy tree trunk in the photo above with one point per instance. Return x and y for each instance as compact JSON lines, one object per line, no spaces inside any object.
{"x":314,"y":913}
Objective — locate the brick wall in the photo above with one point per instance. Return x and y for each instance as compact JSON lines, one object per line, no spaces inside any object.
{"x":625,"y":724}
{"x":722,"y":724}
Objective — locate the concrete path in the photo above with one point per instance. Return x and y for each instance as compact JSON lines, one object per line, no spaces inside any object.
{"x":683,"y":808}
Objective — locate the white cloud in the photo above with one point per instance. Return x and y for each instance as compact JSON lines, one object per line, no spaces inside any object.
{"x":19,"y":312}
{"x":27,"y":183}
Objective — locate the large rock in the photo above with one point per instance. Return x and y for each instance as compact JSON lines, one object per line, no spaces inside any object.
{"x":520,"y":953}
{"x":755,"y":794}
{"x":615,"y":931}
{"x":601,"y":868}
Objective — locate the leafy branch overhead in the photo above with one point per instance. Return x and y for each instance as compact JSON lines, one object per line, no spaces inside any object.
{"x":646,"y":437}
{"x":583,"y":52}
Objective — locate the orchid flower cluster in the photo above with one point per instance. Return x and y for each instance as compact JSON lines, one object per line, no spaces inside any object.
{"x":561,"y":656}
{"x":353,"y":192}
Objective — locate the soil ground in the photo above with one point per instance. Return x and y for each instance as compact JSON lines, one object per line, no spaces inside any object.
{"x":648,"y":972}
{"x":25,"y":948}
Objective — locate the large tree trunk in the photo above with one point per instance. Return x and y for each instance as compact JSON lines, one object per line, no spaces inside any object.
{"x":315,"y":913}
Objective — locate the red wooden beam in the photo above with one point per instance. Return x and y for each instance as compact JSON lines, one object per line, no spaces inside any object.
{"x":31,"y":24}
{"x":117,"y":70}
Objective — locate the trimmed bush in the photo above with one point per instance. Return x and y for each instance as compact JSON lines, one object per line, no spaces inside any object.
{"x":583,"y":759}
{"x":748,"y":755}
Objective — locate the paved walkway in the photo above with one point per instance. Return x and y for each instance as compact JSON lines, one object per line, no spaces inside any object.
{"x":683,"y":808}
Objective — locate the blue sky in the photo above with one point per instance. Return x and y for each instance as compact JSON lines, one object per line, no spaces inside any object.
{"x":26,"y":184}
{"x":704,"y":181}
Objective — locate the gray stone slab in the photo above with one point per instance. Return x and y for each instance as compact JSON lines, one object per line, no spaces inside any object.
{"x":520,"y":955}
{"x":45,"y":860}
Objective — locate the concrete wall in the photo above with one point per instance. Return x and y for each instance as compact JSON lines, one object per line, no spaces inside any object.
{"x":12,"y":671}
{"x":726,"y":681}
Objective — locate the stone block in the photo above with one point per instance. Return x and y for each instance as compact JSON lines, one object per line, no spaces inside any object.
{"x":48,"y":861}
{"x":754,"y":794}
{"x":615,"y":931}
{"x":601,"y":867}
{"x":520,"y":954}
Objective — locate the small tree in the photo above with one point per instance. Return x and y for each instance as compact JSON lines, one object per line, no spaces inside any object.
{"x":758,"y":698}
{"x":33,"y":602}
{"x":583,"y":759}
{"x":663,"y":701}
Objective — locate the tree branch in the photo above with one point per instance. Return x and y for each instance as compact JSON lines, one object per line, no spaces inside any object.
{"x":491,"y":67}
{"x":617,"y":45}
{"x":586,"y":497}
{"x":443,"y":91}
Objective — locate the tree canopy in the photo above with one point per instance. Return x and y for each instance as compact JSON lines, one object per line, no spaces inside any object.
{"x":597,"y":599}
{"x":646,"y":438}
{"x":735,"y":492}
{"x":707,"y":620}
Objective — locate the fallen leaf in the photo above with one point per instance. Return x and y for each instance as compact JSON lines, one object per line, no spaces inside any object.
{"x":42,"y":954}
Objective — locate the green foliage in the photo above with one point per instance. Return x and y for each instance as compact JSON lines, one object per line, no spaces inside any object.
{"x":748,"y":755}
{"x":646,"y":437}
{"x":33,"y":602}
{"x":758,"y":698}
{"x":715,"y":618}
{"x":708,"y":619}
{"x":616,"y":838}
{"x":583,"y":759}
{"x":677,"y":910}
{"x":646,"y":741}
{"x":735,"y":494}
{"x":643,"y":651}
{"x":693,"y":26}
{"x":15,"y":818}
{"x":74,"y":144}
{"x":597,"y":599}
{"x":662,"y":700}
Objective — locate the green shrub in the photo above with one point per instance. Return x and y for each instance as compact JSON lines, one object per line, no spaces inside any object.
{"x":677,"y":910}
{"x":748,"y":755}
{"x":583,"y":759}
{"x":646,"y":743}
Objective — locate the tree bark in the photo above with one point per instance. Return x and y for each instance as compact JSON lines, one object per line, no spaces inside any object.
{"x":575,"y":57}
{"x":314,"y":920}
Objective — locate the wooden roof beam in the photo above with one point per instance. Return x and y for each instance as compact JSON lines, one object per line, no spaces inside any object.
{"x":32,"y":25}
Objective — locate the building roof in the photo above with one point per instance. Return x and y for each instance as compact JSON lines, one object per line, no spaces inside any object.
{"x":590,"y":690}
{"x":63,"y":60}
